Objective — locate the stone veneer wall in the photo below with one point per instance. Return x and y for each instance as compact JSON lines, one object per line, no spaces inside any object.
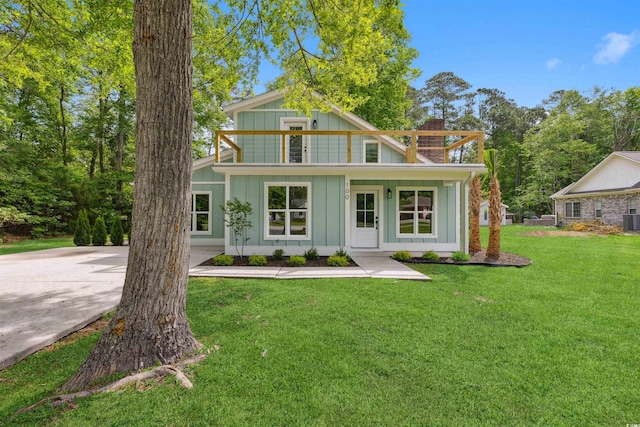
{"x":613,"y":207}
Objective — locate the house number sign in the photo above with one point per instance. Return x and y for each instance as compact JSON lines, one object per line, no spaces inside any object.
{"x":347,"y":190}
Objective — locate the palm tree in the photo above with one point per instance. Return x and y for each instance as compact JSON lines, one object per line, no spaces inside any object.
{"x":495,"y":204}
{"x":474,"y":222}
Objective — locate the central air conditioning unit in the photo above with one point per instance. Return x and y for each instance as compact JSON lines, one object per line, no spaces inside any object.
{"x":631,"y":222}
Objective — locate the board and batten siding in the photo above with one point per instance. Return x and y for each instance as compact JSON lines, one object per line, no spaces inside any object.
{"x":445,"y":213}
{"x":326,"y":213}
{"x":324,"y":148}
{"x":204,"y":179}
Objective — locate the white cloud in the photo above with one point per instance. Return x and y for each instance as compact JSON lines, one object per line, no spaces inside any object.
{"x":553,"y":63}
{"x":615,"y":46}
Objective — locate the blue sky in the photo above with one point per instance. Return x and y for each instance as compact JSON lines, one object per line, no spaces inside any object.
{"x":526,"y":49}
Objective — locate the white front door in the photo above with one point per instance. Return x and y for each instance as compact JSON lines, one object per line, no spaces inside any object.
{"x":364,"y":219}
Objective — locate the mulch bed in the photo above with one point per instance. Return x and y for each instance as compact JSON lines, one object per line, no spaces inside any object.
{"x":506,"y":260}
{"x":244,"y":262}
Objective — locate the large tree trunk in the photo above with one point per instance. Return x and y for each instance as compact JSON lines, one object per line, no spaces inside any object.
{"x":150,"y":325}
{"x":475,"y":197}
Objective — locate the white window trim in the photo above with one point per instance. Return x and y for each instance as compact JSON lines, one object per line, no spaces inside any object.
{"x":572,"y":210}
{"x":434,"y":210}
{"x":306,"y":139}
{"x":286,"y":236}
{"x":596,"y":210}
{"x":632,"y":204}
{"x":194,"y":213}
{"x":364,"y":150}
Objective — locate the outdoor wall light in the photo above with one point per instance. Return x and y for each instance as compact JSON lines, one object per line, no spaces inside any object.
{"x":389,"y":195}
{"x":314,"y":124}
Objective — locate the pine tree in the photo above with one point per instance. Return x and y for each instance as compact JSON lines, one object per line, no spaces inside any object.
{"x":117,"y":234}
{"x":99,"y":237}
{"x":82,"y":236}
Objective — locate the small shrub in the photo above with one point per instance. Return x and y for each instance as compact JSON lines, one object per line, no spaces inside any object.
{"x":460,"y":256}
{"x":257,"y":260}
{"x":278,"y":255}
{"x":99,"y":236}
{"x":402,"y":256}
{"x":430,"y":256}
{"x":312,"y":254}
{"x":223,"y":259}
{"x":337,"y":261}
{"x":595,"y":226}
{"x":117,"y":234}
{"x":297,"y":261}
{"x":341,"y":252}
{"x":82,"y":236}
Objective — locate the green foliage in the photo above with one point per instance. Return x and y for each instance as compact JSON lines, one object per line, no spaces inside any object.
{"x":278,"y":254}
{"x":237,"y":219}
{"x":341,"y":252}
{"x":338,"y":261}
{"x":117,"y":233}
{"x":296,"y":261}
{"x":311,"y":254}
{"x":460,"y":256}
{"x":223,"y":260}
{"x":257,"y":260}
{"x":82,"y":235}
{"x":11,"y":217}
{"x":402,"y":256}
{"x":430,"y":256}
{"x":99,"y":235}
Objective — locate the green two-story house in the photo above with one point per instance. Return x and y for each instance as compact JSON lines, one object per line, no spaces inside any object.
{"x":332,"y":181}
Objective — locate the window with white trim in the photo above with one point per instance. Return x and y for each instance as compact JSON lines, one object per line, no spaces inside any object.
{"x":371,"y":152}
{"x":572,"y":210}
{"x":415,"y":212}
{"x":287,"y":210}
{"x":598,"y":208}
{"x":633,"y":206}
{"x":200,"y":212}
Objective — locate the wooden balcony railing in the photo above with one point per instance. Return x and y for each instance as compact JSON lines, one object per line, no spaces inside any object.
{"x":411,"y":151}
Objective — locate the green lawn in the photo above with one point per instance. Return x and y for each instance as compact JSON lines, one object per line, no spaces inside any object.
{"x":555,"y":343}
{"x":29,"y":245}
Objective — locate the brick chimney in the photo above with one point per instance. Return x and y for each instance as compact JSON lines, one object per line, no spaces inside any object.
{"x":436,"y":156}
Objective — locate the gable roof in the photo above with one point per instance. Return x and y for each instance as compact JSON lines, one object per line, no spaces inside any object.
{"x":248,"y":104}
{"x":574,"y":188}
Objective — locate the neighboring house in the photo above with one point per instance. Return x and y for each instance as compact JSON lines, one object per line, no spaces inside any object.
{"x":484,"y":213}
{"x":607,"y":192}
{"x":331,"y":181}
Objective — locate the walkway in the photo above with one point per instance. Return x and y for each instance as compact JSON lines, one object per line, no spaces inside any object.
{"x":46,"y":295}
{"x":377,"y":265}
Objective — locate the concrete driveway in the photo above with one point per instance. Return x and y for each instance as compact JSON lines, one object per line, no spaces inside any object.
{"x":45,"y":295}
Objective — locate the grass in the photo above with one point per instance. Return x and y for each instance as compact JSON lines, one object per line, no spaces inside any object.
{"x":29,"y":245}
{"x":554,"y":343}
